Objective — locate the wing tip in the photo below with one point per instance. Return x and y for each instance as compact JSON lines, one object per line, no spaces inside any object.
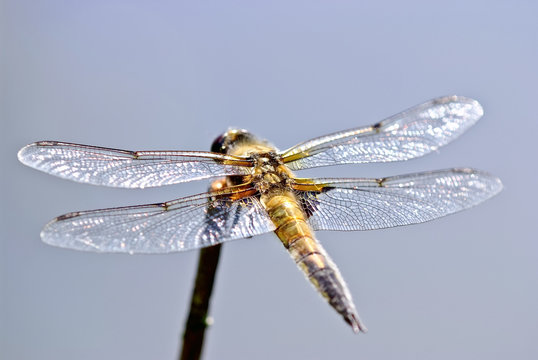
{"x":475,"y":107}
{"x":48,"y":238}
{"x":26,"y":154}
{"x":497,"y":187}
{"x":46,"y":234}
{"x":460,"y":99}
{"x":52,"y":238}
{"x":495,"y":184}
{"x":23,"y":154}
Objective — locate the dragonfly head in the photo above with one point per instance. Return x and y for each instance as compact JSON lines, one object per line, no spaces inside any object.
{"x":231,"y":138}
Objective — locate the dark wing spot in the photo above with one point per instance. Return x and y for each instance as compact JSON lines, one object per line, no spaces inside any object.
{"x":381,"y":182}
{"x":310,"y":204}
{"x":163,"y":206}
{"x":46,"y":143}
{"x":68,"y":216}
{"x":377,"y":127}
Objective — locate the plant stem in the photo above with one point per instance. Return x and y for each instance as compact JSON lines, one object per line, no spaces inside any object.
{"x":197,"y":322}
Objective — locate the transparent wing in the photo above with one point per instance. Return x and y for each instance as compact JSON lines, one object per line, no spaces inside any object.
{"x":128,"y":169}
{"x":412,"y":133}
{"x":366,"y":204}
{"x":189,"y":223}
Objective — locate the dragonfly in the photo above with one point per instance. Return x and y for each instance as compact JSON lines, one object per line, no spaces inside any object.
{"x":255,"y":191}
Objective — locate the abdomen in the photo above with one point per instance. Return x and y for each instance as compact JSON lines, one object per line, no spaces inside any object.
{"x":298,"y":238}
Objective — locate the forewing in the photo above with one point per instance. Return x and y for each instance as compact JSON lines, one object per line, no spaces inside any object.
{"x":412,"y":133}
{"x":367,"y":204}
{"x":128,"y":169}
{"x":184,"y":224}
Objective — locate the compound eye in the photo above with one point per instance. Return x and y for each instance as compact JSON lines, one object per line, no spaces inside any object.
{"x":218,"y":145}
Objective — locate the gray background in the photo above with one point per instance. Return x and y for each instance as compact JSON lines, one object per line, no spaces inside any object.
{"x":170,"y":75}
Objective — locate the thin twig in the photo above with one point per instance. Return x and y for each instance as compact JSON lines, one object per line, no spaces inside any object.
{"x":197,"y":322}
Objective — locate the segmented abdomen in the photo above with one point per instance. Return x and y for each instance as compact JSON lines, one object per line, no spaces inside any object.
{"x":297,"y":236}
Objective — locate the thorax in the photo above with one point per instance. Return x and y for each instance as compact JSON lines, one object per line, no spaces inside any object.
{"x":269,"y":176}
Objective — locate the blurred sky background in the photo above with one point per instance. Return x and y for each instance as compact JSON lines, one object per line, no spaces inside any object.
{"x":147,"y":75}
